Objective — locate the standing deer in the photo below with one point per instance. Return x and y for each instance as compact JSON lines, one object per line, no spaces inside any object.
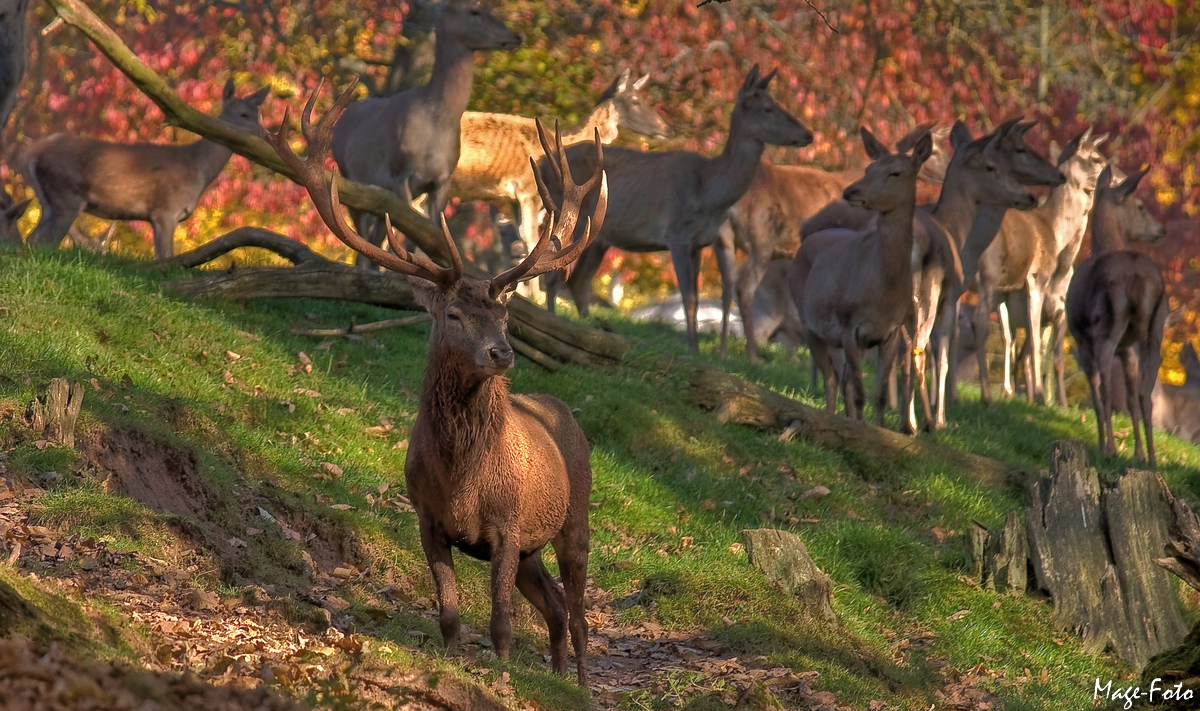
{"x":766,"y":222}
{"x":496,"y":475}
{"x":1116,"y":307}
{"x":160,"y":184}
{"x":677,"y":200}
{"x":854,"y":289}
{"x":409,"y":143}
{"x":12,"y":53}
{"x":496,"y":148}
{"x":1176,"y":407}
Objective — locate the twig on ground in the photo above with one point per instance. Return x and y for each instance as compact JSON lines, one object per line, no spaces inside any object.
{"x":355,"y":328}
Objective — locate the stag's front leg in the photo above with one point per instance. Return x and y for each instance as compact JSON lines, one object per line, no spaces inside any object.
{"x":441,"y":565}
{"x":506,"y":558}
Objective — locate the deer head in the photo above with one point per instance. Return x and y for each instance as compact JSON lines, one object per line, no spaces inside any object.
{"x":241,"y":112}
{"x":1119,"y":208}
{"x":1080,"y":161}
{"x":891,"y":178}
{"x":634,"y":111}
{"x":469,"y":24}
{"x":761,"y":117}
{"x":470,"y":316}
{"x":996,"y":167}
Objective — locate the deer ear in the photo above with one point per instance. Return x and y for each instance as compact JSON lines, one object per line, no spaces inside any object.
{"x":260,"y":96}
{"x":1129,"y":185}
{"x":762,"y":84}
{"x":425,"y":292}
{"x":751,"y":79}
{"x":922,"y":150}
{"x":1099,"y":139}
{"x":960,"y":135}
{"x":637,"y":85}
{"x":875,"y":149}
{"x":1070,"y":150}
{"x":1104,"y":182}
{"x":228,"y":93}
{"x":622,"y":82}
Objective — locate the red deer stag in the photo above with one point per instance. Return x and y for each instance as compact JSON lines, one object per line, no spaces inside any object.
{"x":160,"y":184}
{"x":409,"y":143}
{"x":854,"y":289}
{"x":1116,"y":307}
{"x":496,"y":148}
{"x":496,"y":475}
{"x":677,"y":200}
{"x":765,"y":224}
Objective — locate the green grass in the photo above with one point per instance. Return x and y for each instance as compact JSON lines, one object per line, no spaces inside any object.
{"x":225,"y":382}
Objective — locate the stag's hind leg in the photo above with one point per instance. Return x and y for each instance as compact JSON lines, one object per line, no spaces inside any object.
{"x":571,"y":548}
{"x":535,"y":583}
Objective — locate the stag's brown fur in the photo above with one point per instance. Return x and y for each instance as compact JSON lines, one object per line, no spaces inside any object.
{"x":1116,"y":307}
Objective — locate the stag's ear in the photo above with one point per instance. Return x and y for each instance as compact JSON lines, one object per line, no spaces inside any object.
{"x":875,"y":149}
{"x":260,"y":96}
{"x":1129,"y":185}
{"x":228,"y":93}
{"x":637,"y":85}
{"x":762,"y":84}
{"x":922,"y":150}
{"x":960,"y":135}
{"x":425,"y":292}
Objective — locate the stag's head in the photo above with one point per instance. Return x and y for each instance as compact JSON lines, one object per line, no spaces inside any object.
{"x":890,"y":180}
{"x":762,"y":117}
{"x":1081,"y":161}
{"x":241,"y":111}
{"x":634,"y":111}
{"x":988,"y":167}
{"x":1118,"y":208}
{"x":470,"y":316}
{"x":476,"y":28}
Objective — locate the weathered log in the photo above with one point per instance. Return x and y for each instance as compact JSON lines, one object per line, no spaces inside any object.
{"x":735,"y":399}
{"x":1183,"y":544}
{"x":292,"y":250}
{"x":56,"y":413}
{"x":1005,"y":563}
{"x":1093,"y":553}
{"x":783,"y":559}
{"x":316,"y":280}
{"x":977,"y":536}
{"x":373,"y":199}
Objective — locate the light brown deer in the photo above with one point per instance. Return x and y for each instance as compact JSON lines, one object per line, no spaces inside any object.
{"x":496,"y":148}
{"x":409,"y":143}
{"x":677,"y":200}
{"x":160,"y":184}
{"x":765,"y":224}
{"x":1116,"y":307}
{"x":853,"y":290}
{"x":1029,"y":265}
{"x":494,"y":474}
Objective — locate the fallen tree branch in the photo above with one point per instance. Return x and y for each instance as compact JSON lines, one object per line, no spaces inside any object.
{"x":292,"y":250}
{"x":735,"y":399}
{"x":563,"y":339}
{"x":370,"y":327}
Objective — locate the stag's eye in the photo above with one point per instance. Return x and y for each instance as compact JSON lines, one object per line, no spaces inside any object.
{"x":454,"y":315}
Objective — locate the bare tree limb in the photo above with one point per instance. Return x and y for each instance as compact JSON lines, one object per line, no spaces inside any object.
{"x":371,"y":327}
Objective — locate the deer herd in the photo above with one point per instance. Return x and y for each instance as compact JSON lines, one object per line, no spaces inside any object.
{"x":847,"y":262}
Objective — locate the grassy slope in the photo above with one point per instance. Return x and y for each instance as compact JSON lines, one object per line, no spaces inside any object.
{"x":663,"y":471}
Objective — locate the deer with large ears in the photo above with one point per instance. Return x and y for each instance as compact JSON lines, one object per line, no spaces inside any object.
{"x":1116,"y":307}
{"x":854,"y":290}
{"x":494,"y":474}
{"x":675,"y":201}
{"x":409,"y":143}
{"x":160,"y":184}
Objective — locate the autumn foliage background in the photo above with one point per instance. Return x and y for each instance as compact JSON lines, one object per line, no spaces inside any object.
{"x":1130,"y":68}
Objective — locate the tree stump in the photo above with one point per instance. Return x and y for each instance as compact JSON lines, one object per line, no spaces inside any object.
{"x":56,"y":415}
{"x":1093,"y":553}
{"x":1000,"y":560}
{"x":783,"y":559}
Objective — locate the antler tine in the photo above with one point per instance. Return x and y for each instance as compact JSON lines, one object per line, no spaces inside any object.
{"x":560,"y":229}
{"x":310,"y":173}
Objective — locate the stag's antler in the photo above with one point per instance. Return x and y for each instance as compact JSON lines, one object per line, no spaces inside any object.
{"x":310,"y":172}
{"x":559,"y":230}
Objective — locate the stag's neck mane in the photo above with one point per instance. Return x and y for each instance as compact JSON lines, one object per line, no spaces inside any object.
{"x":466,"y":416}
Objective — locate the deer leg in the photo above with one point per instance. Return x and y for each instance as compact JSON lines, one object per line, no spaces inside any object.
{"x":1060,"y":364}
{"x":748,"y":280}
{"x":1008,"y":338}
{"x":821,"y":358}
{"x":1133,"y":395}
{"x":1033,"y":335}
{"x":505,"y":560}
{"x":724,"y":251}
{"x":887,"y":364}
{"x":164,"y":237}
{"x":1151,"y":358}
{"x":686,"y":259}
{"x":441,"y":565}
{"x":982,"y":312}
{"x":908,"y":417}
{"x":1105,"y":351}
{"x":949,"y":377}
{"x":55,"y":222}
{"x":582,"y":274}
{"x":528,"y":232}
{"x":571,"y":548}
{"x":853,"y":391}
{"x":365,"y":224}
{"x":535,"y":583}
